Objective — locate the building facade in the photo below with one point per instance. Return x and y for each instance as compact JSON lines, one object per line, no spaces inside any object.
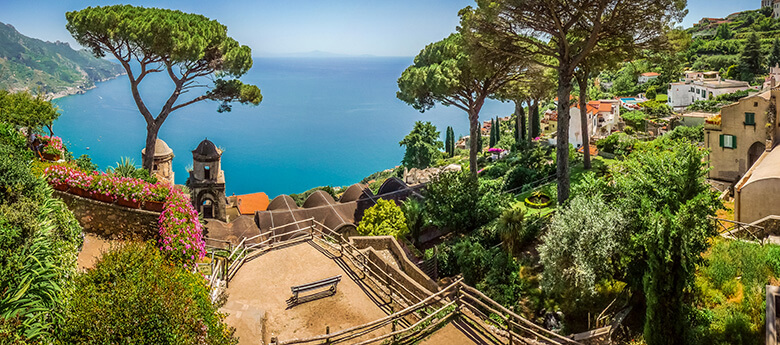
{"x":699,"y":86}
{"x":743,"y":134}
{"x":207,"y":182}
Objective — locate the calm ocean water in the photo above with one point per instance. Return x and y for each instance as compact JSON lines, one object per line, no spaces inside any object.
{"x":328,"y":121}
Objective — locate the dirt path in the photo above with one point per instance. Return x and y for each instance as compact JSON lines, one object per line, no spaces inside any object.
{"x":459,"y":332}
{"x":93,"y":249}
{"x":258,"y":293}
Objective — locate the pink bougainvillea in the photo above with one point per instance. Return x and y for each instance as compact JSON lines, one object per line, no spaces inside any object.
{"x":181,"y":234}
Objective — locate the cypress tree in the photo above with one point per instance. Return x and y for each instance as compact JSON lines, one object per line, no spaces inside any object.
{"x":492,"y":141}
{"x":750,"y":60}
{"x":498,"y":129}
{"x":449,"y":142}
{"x":452,"y":141}
{"x":774,"y":55}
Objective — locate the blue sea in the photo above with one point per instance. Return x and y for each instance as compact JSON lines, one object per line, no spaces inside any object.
{"x":323,"y":121}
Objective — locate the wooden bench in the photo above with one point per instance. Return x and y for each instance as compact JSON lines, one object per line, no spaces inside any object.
{"x":332,"y":281}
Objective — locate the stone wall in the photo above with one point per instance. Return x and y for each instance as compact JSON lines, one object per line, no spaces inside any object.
{"x":111,"y":221}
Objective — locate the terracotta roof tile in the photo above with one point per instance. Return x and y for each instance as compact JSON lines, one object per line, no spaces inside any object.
{"x":249,"y":203}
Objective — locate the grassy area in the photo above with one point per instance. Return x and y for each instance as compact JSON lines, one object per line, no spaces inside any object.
{"x":661,"y":97}
{"x":578,"y":171}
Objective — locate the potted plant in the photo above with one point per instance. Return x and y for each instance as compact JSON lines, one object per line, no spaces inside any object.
{"x":155,"y":198}
{"x":129,"y":192}
{"x":102,"y":188}
{"x":80,"y":183}
{"x":53,"y":149}
{"x":57,"y":176}
{"x":538,"y":199}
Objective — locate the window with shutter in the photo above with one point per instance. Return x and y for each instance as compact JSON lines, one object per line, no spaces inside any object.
{"x":750,"y":118}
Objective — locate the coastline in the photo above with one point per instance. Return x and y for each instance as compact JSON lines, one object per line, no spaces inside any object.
{"x":81,"y":89}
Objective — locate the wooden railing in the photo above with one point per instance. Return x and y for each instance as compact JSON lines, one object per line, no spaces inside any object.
{"x":451,"y":301}
{"x":739,"y":231}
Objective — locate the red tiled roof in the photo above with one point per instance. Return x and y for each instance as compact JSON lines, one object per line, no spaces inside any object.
{"x":593,"y":150}
{"x":650,"y":74}
{"x":249,"y":203}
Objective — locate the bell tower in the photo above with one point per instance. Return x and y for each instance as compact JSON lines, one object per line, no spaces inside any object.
{"x":207,"y":181}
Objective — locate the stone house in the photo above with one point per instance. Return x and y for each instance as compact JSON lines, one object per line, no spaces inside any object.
{"x":740,"y":138}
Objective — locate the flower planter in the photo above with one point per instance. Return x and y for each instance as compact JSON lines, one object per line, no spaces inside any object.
{"x":50,"y":157}
{"x":79,"y":191}
{"x":102,"y":197}
{"x":155,"y":206}
{"x":60,"y":186}
{"x":128,"y":203}
{"x":538,"y":201}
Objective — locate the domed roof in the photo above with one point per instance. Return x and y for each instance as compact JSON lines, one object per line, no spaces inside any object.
{"x":161,"y":149}
{"x":206,"y":150}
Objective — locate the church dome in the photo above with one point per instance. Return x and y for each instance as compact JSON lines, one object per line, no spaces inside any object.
{"x":161,"y":149}
{"x":206,"y":151}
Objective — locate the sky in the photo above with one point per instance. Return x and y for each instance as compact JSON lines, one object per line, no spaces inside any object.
{"x":279,"y":27}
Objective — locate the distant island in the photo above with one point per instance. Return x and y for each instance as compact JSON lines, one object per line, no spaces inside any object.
{"x":54,"y":67}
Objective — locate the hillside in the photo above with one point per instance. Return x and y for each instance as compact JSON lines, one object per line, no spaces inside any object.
{"x":29,"y":63}
{"x":717,"y":42}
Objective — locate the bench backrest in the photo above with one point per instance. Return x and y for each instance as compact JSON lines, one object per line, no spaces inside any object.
{"x":317,"y":284}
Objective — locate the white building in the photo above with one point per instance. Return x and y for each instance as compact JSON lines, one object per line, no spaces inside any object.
{"x":699,"y":86}
{"x":603,"y":117}
{"x":646,"y":77}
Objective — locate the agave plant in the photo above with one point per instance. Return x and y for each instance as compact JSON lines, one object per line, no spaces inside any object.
{"x":124,"y":168}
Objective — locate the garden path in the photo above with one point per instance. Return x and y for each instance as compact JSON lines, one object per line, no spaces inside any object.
{"x":459,"y":332}
{"x":93,"y":249}
{"x":258,"y":293}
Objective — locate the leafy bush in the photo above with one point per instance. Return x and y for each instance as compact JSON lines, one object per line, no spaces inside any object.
{"x":692,"y":134}
{"x":422,"y":146}
{"x":619,"y":144}
{"x":133,"y":295}
{"x":708,"y":106}
{"x":519,"y":176}
{"x":655,"y":108}
{"x":496,"y":170}
{"x":84,"y":162}
{"x":451,"y":200}
{"x":39,"y":238}
{"x":636,"y":119}
{"x":383,"y":219}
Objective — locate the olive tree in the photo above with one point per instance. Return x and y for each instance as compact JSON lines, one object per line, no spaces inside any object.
{"x":187,"y":47}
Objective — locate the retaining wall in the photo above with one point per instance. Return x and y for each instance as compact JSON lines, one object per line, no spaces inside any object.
{"x":111,"y":221}
{"x":419,"y":282}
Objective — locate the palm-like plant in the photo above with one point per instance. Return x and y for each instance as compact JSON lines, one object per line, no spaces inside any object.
{"x":511,"y":227}
{"x":415,"y":218}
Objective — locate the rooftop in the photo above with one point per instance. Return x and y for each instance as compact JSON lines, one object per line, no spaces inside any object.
{"x":161,"y":149}
{"x":249,"y":203}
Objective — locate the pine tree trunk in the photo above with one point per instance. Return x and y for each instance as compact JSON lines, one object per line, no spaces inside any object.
{"x":151,"y":141}
{"x":533,"y":118}
{"x":474,"y":141}
{"x":562,"y":142}
{"x":520,"y":133}
{"x":582,"y":80}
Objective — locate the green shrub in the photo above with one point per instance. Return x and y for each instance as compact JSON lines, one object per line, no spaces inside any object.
{"x":39,"y":238}
{"x":134,"y":296}
{"x":636,"y":119}
{"x":84,"y":162}
{"x":519,"y":176}
{"x":383,"y":219}
{"x":415,"y":217}
{"x":496,"y":170}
